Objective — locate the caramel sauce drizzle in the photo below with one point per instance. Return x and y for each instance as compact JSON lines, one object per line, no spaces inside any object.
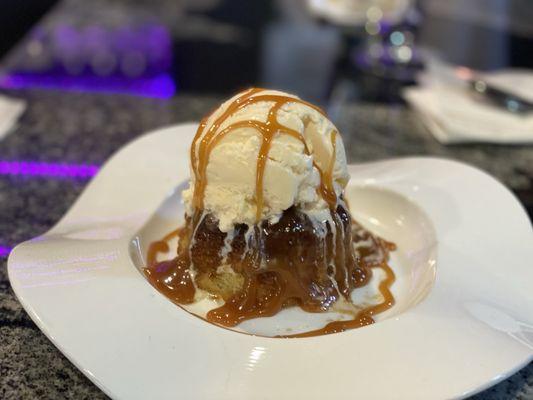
{"x":161,"y":246}
{"x":268,"y":130}
{"x":326,"y":178}
{"x":363,"y":317}
{"x":173,"y":279}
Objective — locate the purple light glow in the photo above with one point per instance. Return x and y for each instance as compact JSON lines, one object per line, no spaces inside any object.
{"x":57,"y":170}
{"x":131,"y":55}
{"x":161,"y":86}
{"x":4,"y":251}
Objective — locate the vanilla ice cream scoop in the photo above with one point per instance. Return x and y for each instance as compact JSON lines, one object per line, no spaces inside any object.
{"x":262,"y":152}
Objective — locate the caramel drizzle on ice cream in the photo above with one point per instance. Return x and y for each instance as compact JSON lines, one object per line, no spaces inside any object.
{"x":207,"y":137}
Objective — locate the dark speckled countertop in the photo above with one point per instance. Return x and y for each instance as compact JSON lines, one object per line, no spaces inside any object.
{"x":83,"y":128}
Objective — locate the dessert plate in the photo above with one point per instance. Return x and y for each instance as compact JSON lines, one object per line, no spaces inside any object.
{"x":463,"y":321}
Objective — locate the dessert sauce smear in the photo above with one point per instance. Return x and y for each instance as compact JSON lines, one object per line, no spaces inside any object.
{"x":280,"y":283}
{"x":293,"y":262}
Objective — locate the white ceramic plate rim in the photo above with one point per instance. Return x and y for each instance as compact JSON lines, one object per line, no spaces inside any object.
{"x":117,"y":330}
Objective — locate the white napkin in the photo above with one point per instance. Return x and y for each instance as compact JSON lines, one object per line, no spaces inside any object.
{"x":452,"y":115}
{"x":10,"y":110}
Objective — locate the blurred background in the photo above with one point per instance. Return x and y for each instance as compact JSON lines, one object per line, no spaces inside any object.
{"x":318,"y":49}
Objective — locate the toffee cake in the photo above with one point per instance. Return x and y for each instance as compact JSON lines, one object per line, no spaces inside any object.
{"x":266,"y":224}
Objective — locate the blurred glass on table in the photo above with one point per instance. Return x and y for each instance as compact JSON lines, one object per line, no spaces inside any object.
{"x":109,"y":49}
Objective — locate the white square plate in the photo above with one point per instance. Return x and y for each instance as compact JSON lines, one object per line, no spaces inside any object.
{"x":450,"y":335}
